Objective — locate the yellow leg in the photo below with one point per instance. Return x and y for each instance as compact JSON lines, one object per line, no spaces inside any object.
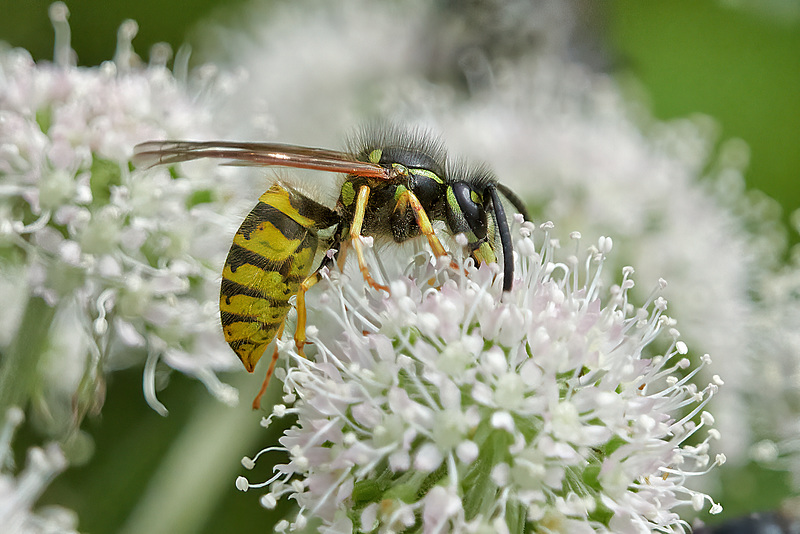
{"x":423,"y":222}
{"x":308,"y":283}
{"x":300,"y":331}
{"x":270,"y":371}
{"x":341,"y":256}
{"x":355,"y":236}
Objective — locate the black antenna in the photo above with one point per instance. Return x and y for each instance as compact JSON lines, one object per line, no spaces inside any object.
{"x":505,"y":238}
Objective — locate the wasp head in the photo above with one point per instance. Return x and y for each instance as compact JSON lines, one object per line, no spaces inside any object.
{"x":473,"y":208}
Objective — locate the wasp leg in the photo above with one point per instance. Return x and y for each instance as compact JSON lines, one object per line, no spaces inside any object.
{"x":270,"y":371}
{"x":424,"y":224}
{"x":355,"y":236}
{"x":300,"y":305}
{"x":341,"y":255}
{"x":300,"y":330}
{"x":308,"y":283}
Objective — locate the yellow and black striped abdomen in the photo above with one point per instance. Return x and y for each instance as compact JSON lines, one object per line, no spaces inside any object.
{"x":271,"y":255}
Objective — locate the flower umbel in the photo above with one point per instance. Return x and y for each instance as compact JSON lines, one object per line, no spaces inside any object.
{"x":112,"y":266}
{"x":460,"y":408}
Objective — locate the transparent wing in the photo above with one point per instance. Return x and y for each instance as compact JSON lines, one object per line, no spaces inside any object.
{"x":154,"y":153}
{"x":514,"y":200}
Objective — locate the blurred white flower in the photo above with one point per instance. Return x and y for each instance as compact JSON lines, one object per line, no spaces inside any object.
{"x":126,"y":263}
{"x":459,"y":408}
{"x":20,"y":491}
{"x":775,"y":391}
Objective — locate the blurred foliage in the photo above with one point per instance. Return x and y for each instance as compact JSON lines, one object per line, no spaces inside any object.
{"x":133,"y":445}
{"x":691,"y":56}
{"x":741,"y":68}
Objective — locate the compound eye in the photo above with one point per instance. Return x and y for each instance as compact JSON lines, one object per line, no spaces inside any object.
{"x":471,"y":205}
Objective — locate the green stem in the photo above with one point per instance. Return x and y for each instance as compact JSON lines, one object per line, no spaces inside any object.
{"x":18,"y":369}
{"x":516,"y":518}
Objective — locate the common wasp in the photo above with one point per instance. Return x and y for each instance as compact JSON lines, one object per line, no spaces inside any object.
{"x":397,"y":183}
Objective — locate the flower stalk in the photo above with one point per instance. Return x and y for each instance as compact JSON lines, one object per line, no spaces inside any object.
{"x":20,"y":365}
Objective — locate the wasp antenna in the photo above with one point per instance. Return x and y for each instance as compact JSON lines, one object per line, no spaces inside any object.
{"x":505,"y":238}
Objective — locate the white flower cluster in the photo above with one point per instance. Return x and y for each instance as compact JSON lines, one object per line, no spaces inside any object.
{"x":129,"y":261}
{"x":19,"y":493}
{"x":565,"y":138}
{"x":459,"y":408}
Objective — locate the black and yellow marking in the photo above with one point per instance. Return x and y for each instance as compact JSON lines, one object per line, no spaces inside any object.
{"x":272,"y":253}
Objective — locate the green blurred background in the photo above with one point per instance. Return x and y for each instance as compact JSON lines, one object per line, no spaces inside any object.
{"x":739,"y":65}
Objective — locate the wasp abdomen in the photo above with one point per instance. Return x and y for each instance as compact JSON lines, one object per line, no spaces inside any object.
{"x":272,"y":253}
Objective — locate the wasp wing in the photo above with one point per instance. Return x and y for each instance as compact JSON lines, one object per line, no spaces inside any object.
{"x":154,"y":153}
{"x":512,"y":198}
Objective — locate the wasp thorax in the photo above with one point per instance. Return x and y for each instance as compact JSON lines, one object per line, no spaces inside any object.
{"x":428,"y":187}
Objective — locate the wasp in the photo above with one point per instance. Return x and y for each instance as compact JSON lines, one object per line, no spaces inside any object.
{"x":396,"y":183}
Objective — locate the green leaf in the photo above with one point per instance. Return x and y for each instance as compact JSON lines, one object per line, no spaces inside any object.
{"x":202,"y":196}
{"x":44,"y":118}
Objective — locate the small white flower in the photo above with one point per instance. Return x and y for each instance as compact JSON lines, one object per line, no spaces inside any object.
{"x":569,"y":424}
